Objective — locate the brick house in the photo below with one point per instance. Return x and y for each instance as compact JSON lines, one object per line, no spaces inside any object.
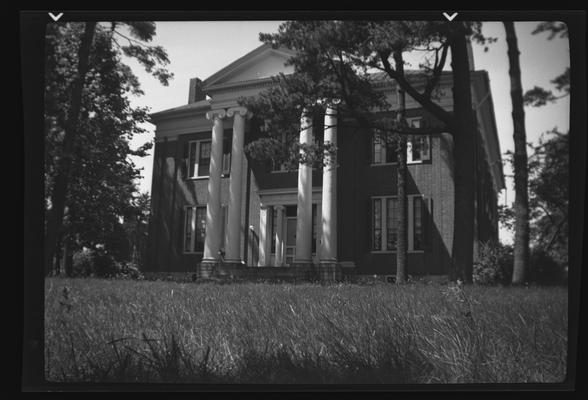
{"x":212,"y":208}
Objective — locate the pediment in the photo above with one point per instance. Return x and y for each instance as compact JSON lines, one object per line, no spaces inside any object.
{"x":260,"y":63}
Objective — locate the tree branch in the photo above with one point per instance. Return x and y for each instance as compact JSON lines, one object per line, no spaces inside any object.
{"x":437,"y":69}
{"x":434,"y":108}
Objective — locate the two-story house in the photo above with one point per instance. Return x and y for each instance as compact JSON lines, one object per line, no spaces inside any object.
{"x":213,"y":207}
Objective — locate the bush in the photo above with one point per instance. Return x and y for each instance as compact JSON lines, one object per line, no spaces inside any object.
{"x":494,"y":264}
{"x":130,"y":271}
{"x":100,"y":263}
{"x":544,"y":269}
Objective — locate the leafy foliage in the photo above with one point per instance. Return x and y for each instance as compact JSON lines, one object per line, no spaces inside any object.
{"x":346,"y":61}
{"x":100,"y":263}
{"x":549,"y":195}
{"x":549,"y":176}
{"x":538,"y":96}
{"x":494,"y":264}
{"x":102,"y":183}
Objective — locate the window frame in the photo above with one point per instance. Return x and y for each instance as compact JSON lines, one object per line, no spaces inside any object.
{"x":409,"y":155}
{"x":196,"y":158}
{"x":193,"y":228}
{"x":410,"y":227}
{"x":411,"y":138}
{"x":226,"y":161}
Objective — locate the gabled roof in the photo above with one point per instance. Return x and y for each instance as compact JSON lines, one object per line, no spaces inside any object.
{"x":250,"y":62}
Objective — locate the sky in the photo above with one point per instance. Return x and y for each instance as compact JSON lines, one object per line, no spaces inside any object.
{"x":199,"y":49}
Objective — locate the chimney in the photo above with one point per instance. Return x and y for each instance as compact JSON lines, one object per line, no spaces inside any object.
{"x":470,"y":55}
{"x":195,"y":94}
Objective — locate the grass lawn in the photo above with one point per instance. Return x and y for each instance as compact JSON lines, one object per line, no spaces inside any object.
{"x":141,"y":331}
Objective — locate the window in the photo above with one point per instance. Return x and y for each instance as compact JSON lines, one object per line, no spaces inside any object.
{"x":391,"y":223}
{"x":417,"y":149}
{"x":194,"y":229}
{"x":204,"y":158}
{"x":383,"y":151}
{"x":199,"y":157}
{"x":385,"y":222}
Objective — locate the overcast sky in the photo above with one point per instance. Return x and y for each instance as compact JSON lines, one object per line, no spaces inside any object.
{"x":199,"y":49}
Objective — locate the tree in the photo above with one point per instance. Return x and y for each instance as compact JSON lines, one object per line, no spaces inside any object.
{"x":136,"y":227}
{"x":549,"y":194}
{"x":88,"y":125}
{"x":64,"y":165}
{"x":521,"y":204}
{"x":337,"y":60}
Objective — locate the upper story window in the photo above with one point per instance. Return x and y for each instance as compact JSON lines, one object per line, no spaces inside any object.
{"x":199,"y":155}
{"x":418,"y":148}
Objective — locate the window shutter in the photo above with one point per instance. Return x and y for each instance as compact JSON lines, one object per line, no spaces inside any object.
{"x":185,"y":160}
{"x":426,"y":148}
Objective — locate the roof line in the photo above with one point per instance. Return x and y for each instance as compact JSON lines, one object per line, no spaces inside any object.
{"x":214,"y":77}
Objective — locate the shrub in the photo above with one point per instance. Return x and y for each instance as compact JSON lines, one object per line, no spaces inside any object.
{"x":130,"y":270}
{"x":494,"y":264}
{"x":100,"y":263}
{"x":83,"y":262}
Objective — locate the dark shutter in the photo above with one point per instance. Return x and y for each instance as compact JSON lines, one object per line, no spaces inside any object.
{"x":185,"y":160}
{"x":428,"y":222}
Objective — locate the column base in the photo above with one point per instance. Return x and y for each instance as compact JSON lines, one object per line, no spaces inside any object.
{"x":207,"y":269}
{"x":330,"y":272}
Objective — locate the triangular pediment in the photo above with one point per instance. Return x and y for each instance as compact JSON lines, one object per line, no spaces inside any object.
{"x":260,"y":63}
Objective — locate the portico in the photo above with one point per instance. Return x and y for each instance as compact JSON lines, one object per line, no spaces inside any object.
{"x":296,"y":228}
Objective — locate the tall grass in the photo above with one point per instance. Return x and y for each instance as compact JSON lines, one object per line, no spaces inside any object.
{"x":129,"y":331}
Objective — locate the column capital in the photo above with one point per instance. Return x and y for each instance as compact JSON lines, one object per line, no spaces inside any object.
{"x":242,"y":111}
{"x":216,"y":114}
{"x":279,"y":207}
{"x":329,"y":103}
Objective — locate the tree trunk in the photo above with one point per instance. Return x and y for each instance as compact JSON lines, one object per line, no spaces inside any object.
{"x":68,"y":258}
{"x":463,"y":134}
{"x":58,"y":194}
{"x":401,"y":244}
{"x":521,"y":204}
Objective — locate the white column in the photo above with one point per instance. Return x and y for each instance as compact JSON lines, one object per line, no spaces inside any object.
{"x":264,"y":236}
{"x":212,"y":240}
{"x":329,"y":200}
{"x":279,"y":236}
{"x":233,"y":245}
{"x":304,"y":211}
